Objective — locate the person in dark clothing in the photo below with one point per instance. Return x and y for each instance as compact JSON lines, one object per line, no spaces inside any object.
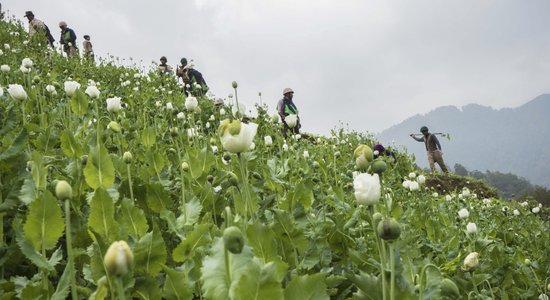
{"x":193,"y":81}
{"x":285,"y":108}
{"x":68,"y":40}
{"x":433,"y":148}
{"x":383,"y":151}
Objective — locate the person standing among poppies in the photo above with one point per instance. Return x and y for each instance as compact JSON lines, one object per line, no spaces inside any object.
{"x":68,"y":40}
{"x":289,"y":113}
{"x":37,"y":26}
{"x":87,"y":48}
{"x":432,"y":147}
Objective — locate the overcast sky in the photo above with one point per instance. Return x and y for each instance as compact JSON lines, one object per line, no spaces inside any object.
{"x":369,"y":64}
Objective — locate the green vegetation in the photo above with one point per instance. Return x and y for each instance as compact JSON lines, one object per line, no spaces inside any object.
{"x":115,"y":185}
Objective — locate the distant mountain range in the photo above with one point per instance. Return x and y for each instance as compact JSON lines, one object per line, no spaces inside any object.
{"x":515,"y":140}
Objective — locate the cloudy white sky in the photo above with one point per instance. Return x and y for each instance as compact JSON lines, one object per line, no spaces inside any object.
{"x":369,"y":64}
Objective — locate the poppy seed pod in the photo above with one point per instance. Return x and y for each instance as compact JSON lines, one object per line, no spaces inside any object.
{"x":379,"y":166}
{"x":389,"y":229}
{"x":233,"y":239}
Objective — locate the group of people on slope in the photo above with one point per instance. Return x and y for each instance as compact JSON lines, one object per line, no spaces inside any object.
{"x":193,"y":81}
{"x":67,"y":39}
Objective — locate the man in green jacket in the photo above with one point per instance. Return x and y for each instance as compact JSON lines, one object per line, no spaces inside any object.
{"x":285,"y":108}
{"x":68,"y":40}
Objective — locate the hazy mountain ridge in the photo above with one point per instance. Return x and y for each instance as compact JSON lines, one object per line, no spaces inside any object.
{"x":515,"y":140}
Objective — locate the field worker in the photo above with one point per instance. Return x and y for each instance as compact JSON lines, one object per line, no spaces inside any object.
{"x":68,"y":40}
{"x":37,"y":26}
{"x":433,"y":147}
{"x":286,"y":107}
{"x":193,"y":81}
{"x":383,"y":151}
{"x":163,"y":67}
{"x":87,"y":48}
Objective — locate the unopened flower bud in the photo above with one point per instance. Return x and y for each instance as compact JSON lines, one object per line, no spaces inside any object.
{"x":63,"y":190}
{"x":118,"y":258}
{"x":114,"y":126}
{"x":234,"y":84}
{"x":127,"y":157}
{"x":233,"y":239}
{"x":185,"y":166}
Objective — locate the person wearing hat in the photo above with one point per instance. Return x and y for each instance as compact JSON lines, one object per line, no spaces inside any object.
{"x":37,"y":26}
{"x":287,"y":107}
{"x":68,"y":40}
{"x":432,"y":147}
{"x":87,"y":48}
{"x":163,"y":67}
{"x":193,"y":81}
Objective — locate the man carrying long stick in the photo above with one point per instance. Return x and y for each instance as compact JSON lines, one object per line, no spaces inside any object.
{"x":433,"y":147}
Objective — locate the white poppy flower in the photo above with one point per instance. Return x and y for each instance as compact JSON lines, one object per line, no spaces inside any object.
{"x":27,"y":63}
{"x":191,"y":103}
{"x":5,"y":68}
{"x":516,"y":212}
{"x":448,"y":197}
{"x":217,"y":189}
{"x":367,"y":189}
{"x":252,"y":146}
{"x":463,"y":213}
{"x":92,"y":91}
{"x":169,"y":106}
{"x":222,"y":111}
{"x":71,"y":87}
{"x":191,"y":132}
{"x":180,"y":115}
{"x":268,"y":141}
{"x":237,"y":137}
{"x":114,"y":104}
{"x":414,"y":186}
{"x":421,"y":179}
{"x":471,"y":228}
{"x":17,"y":92}
{"x":306,"y":154}
{"x":535,"y":210}
{"x":412,"y":175}
{"x":291,"y":121}
{"x":215,"y":149}
{"x":285,"y":147}
{"x":406,"y":184}
{"x":24,"y":69}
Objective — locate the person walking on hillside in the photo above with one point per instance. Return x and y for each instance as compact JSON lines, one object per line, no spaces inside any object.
{"x":193,"y":81}
{"x":286,"y":108}
{"x":37,"y":26}
{"x":433,"y":147}
{"x":87,"y":48}
{"x":68,"y":40}
{"x":163,"y":67}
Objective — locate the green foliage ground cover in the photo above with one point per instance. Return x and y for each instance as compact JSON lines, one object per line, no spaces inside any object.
{"x":156,"y":176}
